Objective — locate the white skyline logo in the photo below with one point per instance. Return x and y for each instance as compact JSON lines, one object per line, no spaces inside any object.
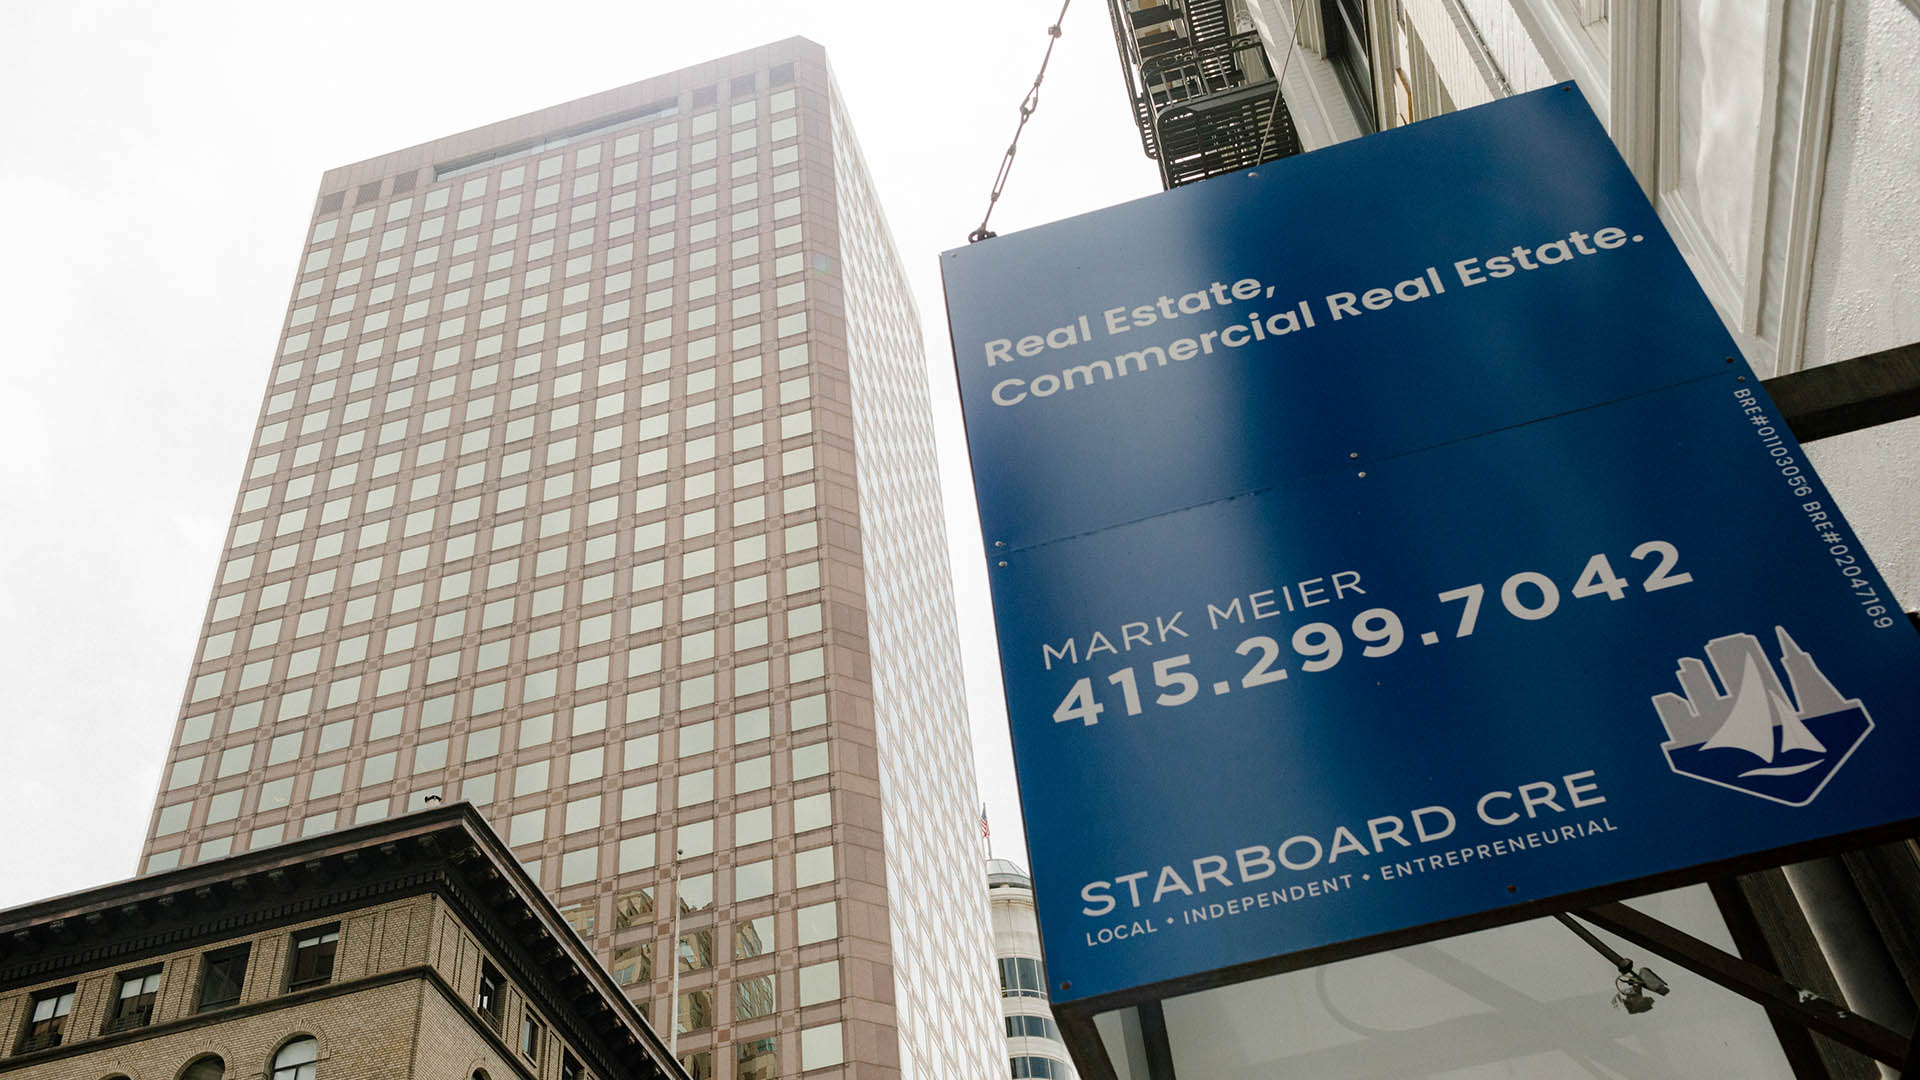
{"x":1758,"y":736}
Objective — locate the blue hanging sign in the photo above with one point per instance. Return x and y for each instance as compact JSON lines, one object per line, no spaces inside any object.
{"x":1390,"y":537}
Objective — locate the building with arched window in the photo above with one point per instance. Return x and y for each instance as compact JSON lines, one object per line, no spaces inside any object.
{"x":390,"y":949}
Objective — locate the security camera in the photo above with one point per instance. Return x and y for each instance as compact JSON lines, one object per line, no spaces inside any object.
{"x":1645,"y":977}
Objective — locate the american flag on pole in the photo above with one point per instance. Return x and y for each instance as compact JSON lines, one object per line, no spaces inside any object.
{"x":985,"y":833}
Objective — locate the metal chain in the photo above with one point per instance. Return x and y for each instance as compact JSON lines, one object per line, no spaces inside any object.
{"x":1027,"y":106}
{"x":1293,"y":42}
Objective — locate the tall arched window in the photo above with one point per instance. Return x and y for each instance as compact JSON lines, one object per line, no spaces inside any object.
{"x":207,"y":1068}
{"x":297,"y":1060}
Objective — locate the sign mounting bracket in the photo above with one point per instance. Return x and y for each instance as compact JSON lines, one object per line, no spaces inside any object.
{"x":1752,"y":982}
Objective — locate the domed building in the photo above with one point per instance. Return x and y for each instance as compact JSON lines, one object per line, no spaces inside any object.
{"x":1034,"y":1048}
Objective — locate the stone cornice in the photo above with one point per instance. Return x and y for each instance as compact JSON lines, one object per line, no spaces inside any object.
{"x":449,"y":852}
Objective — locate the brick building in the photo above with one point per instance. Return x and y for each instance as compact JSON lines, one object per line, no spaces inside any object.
{"x":410,"y":948}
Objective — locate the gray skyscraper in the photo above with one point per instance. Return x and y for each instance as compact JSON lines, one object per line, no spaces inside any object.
{"x":595,"y":485}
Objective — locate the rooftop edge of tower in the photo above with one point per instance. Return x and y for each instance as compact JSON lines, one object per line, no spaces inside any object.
{"x":635,"y":100}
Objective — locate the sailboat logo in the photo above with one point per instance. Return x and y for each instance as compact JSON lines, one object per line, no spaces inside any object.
{"x":1754,"y":737}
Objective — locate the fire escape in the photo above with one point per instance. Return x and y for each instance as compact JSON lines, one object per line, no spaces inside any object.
{"x":1204,"y":96}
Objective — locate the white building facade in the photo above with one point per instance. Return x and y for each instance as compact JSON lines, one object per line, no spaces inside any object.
{"x":1775,"y":138}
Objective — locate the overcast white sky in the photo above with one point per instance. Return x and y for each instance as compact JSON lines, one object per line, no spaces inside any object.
{"x":160,"y":164}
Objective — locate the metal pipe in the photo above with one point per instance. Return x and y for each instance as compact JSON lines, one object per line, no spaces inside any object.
{"x":1620,"y":963}
{"x":1844,"y":930}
